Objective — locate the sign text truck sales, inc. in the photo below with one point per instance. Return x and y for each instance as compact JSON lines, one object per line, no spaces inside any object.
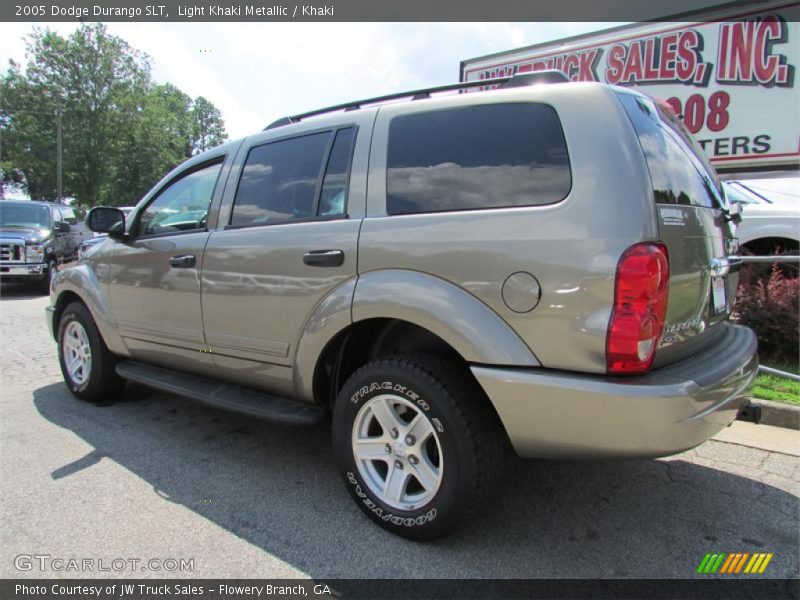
{"x":732,"y":75}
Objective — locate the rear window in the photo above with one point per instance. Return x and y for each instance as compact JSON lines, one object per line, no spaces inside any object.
{"x":489,"y":156}
{"x":678,"y":174}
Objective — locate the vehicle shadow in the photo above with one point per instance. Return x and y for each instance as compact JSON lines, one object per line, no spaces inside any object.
{"x":278,"y":489}
{"x":14,"y":290}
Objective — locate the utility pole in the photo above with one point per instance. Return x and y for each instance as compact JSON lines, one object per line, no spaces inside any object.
{"x":58,"y":155}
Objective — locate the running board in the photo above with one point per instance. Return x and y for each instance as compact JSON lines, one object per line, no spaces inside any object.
{"x":221,"y":395}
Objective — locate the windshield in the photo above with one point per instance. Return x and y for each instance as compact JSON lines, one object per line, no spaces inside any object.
{"x":21,"y":215}
{"x":745,"y":193}
{"x":735,"y":194}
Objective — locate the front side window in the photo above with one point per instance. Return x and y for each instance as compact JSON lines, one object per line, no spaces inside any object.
{"x":182,"y":205}
{"x":488,"y":156}
{"x":279,"y":181}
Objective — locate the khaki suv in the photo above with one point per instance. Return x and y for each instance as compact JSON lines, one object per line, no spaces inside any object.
{"x":547,"y":268}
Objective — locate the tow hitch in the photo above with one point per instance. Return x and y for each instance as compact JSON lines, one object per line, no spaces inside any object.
{"x":750,"y":412}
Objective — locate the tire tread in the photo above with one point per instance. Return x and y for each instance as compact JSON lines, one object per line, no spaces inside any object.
{"x":487,"y":436}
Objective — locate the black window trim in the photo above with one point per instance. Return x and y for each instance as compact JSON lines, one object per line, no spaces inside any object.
{"x":332,"y":131}
{"x":219,"y":159}
{"x":349,"y":167}
{"x":478,"y":208}
{"x":289,"y":222}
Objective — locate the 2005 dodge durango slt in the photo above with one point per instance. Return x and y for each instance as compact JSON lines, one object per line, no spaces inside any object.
{"x":548,"y":268}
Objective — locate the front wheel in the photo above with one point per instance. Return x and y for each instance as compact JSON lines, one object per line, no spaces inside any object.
{"x":86,"y":363}
{"x":417,"y":444}
{"x":47,"y":279}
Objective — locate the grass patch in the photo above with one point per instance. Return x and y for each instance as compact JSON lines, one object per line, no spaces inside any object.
{"x":779,"y":389}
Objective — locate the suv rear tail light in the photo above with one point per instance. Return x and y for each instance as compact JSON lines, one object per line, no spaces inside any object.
{"x":640,"y":306}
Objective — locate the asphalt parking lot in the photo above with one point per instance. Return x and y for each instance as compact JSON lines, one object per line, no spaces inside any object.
{"x":155,"y":476}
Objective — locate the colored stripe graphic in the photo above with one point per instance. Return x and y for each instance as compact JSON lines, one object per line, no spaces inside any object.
{"x":741,"y":562}
{"x":728,"y":563}
{"x":734,"y":563}
{"x":766,"y":562}
{"x":717,"y":563}
{"x":703,"y":563}
{"x":754,"y":563}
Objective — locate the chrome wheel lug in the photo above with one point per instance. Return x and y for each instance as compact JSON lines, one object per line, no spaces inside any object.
{"x":388,"y":448}
{"x":395,"y":433}
{"x":410,"y":440}
{"x":413,"y":460}
{"x":398,"y":465}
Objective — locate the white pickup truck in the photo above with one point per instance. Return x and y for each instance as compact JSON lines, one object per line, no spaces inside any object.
{"x":770,"y":218}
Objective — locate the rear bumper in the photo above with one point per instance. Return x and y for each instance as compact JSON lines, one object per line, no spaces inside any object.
{"x":566,"y":415}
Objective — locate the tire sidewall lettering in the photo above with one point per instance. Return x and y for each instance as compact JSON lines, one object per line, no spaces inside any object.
{"x":399,"y":389}
{"x":377,"y":387}
{"x":387,"y":516}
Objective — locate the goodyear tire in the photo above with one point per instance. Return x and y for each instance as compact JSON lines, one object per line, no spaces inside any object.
{"x":86,"y":363}
{"x":417,"y":443}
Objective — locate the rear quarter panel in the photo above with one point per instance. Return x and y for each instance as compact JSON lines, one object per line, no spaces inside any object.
{"x":572,"y":247}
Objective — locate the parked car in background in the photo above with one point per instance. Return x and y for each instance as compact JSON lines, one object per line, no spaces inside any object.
{"x":35,"y":237}
{"x":770,"y":222}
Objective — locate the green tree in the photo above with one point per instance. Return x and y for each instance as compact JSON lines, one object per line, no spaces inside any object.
{"x":28,"y":123}
{"x":158,"y":139}
{"x":121,"y":132}
{"x":208,"y":129}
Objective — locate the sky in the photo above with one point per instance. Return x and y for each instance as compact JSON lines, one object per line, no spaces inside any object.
{"x":258,"y":72}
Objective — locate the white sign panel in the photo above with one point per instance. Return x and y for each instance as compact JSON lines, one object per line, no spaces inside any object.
{"x":732,"y":78}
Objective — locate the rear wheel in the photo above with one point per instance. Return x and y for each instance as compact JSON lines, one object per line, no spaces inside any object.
{"x":417,"y":444}
{"x":86,"y":363}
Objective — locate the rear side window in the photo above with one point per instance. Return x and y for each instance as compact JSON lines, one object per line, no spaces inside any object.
{"x":333,"y":197}
{"x":489,"y":156}
{"x":677,"y":174}
{"x":279,"y":181}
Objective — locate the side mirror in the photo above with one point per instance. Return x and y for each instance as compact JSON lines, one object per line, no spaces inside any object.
{"x":104,"y":219}
{"x":734,"y":212}
{"x":62,"y":227}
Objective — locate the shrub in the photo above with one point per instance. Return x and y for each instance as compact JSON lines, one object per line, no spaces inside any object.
{"x":771,"y":307}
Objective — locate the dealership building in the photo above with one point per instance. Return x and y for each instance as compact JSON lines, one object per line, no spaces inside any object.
{"x":730,"y":72}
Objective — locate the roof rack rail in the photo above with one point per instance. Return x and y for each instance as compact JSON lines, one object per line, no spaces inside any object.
{"x":519,"y":80}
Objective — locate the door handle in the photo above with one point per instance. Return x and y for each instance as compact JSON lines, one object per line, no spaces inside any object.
{"x":324,"y":258}
{"x":183,"y":262}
